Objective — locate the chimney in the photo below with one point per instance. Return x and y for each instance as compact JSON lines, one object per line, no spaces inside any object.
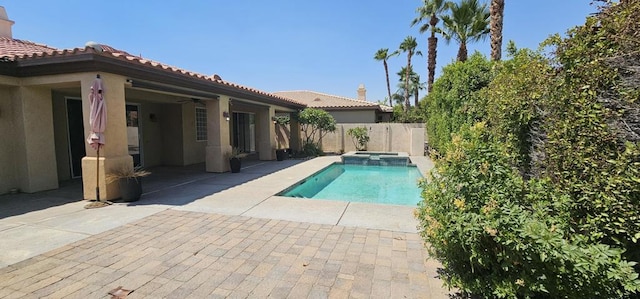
{"x":5,"y":24}
{"x":362,"y":93}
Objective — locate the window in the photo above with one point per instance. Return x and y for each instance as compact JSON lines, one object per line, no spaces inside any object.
{"x":201,"y":124}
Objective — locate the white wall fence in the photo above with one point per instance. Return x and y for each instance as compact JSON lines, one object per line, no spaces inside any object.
{"x":385,"y":137}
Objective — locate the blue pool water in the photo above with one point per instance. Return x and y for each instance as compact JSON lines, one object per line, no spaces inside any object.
{"x":396,"y":185}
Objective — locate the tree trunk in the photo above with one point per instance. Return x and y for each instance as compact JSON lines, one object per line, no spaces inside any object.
{"x":462,"y":52}
{"x":497,"y":15}
{"x":386,"y":72}
{"x":431,"y":62}
{"x":407,"y":104}
{"x":433,"y":52}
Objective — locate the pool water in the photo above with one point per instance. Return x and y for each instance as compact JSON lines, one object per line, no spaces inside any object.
{"x":396,"y":185}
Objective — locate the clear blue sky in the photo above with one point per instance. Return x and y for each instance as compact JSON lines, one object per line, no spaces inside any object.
{"x":319,"y":45}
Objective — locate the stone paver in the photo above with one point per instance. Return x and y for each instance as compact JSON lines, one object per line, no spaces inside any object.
{"x":203,"y":235}
{"x":183,"y":254}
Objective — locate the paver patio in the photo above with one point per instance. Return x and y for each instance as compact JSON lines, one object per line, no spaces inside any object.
{"x":187,"y":251}
{"x":180,"y":254}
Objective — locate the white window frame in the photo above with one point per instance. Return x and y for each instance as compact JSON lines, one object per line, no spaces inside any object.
{"x":199,"y":125}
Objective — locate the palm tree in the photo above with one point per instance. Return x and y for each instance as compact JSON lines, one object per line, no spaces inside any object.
{"x":409,"y":46}
{"x":468,"y":22}
{"x":496,"y":11}
{"x":383,"y":55}
{"x":414,"y":84}
{"x":431,"y":9}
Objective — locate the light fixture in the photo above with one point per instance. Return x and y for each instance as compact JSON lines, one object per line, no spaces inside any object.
{"x":225,"y":114}
{"x":274,"y":119}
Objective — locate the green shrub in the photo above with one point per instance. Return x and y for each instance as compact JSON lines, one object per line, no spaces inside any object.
{"x":413,"y":115}
{"x":455,"y":100}
{"x":360,"y":137}
{"x":315,"y":124}
{"x":514,"y":104}
{"x":593,"y":125}
{"x":500,"y":236}
{"x":544,"y":201}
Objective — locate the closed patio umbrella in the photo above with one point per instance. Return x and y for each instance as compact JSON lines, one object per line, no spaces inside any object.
{"x":97,"y":123}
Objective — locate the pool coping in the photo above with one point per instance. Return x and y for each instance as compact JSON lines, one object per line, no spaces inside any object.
{"x":257,"y":198}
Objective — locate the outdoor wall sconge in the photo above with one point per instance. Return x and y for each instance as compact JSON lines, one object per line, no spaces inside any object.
{"x":274,"y":119}
{"x":226,"y":115}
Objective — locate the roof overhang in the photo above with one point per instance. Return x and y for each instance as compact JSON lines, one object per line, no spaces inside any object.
{"x":141,"y":72}
{"x":354,"y":108}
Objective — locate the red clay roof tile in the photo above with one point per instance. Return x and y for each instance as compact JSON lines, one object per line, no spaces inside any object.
{"x":15,"y":49}
{"x":327,"y":101}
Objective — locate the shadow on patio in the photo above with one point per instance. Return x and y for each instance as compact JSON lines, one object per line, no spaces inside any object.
{"x":165,"y":186}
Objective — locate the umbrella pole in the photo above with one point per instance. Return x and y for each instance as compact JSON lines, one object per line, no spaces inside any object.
{"x":98,"y":174}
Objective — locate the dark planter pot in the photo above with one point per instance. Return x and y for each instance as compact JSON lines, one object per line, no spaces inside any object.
{"x":130,"y":189}
{"x":235,"y":165}
{"x":281,"y":154}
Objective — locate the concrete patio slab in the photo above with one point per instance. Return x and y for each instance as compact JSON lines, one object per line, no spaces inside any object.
{"x":379,"y":216}
{"x":6,"y":226}
{"x":94,"y":221}
{"x":228,"y":203}
{"x":44,"y":214}
{"x":299,"y":209}
{"x":25,"y":241}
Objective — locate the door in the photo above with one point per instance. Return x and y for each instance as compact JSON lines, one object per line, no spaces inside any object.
{"x":133,"y":133}
{"x":244,"y":132}
{"x":75,"y":135}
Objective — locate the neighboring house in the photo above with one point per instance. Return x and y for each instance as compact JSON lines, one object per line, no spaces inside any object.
{"x":156,"y":115}
{"x":343,"y":110}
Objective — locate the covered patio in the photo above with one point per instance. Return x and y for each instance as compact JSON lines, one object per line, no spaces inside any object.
{"x":157,"y":115}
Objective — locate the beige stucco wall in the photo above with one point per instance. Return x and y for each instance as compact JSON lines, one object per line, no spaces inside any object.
{"x":35,"y":151}
{"x":388,"y":137}
{"x":8,"y":178}
{"x":283,"y":133}
{"x":355,"y":116}
{"x":194,"y":151}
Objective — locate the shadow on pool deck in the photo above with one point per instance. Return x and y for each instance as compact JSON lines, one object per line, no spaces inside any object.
{"x":165,"y":185}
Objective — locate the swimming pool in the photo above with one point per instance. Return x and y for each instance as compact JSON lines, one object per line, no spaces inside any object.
{"x":361,"y":183}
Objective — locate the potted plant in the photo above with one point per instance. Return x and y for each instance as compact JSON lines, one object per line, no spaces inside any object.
{"x":234,"y":159}
{"x":281,"y":153}
{"x":129,"y":181}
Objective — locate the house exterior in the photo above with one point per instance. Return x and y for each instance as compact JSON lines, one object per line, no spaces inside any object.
{"x":343,"y":110}
{"x":156,"y":115}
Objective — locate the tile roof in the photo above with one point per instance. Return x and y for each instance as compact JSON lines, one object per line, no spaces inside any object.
{"x":14,"y":49}
{"x":327,"y":101}
{"x":10,"y":47}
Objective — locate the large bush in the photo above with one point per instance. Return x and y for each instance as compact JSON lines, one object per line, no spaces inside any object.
{"x":593,"y":126}
{"x":544,"y":200}
{"x":498,"y":235}
{"x":515,"y":103}
{"x":455,"y":100}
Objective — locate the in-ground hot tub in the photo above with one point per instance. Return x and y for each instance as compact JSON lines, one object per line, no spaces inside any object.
{"x":376,"y":158}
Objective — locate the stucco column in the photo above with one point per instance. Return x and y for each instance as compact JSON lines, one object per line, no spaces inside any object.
{"x":218,"y":142}
{"x":295,"y":140}
{"x":114,"y":154}
{"x":266,"y":132}
{"x":36,"y":157}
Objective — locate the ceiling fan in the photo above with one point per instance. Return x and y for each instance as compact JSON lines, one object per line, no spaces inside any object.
{"x":192,"y":100}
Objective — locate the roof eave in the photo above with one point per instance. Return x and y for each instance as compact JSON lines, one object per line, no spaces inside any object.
{"x":94,"y":62}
